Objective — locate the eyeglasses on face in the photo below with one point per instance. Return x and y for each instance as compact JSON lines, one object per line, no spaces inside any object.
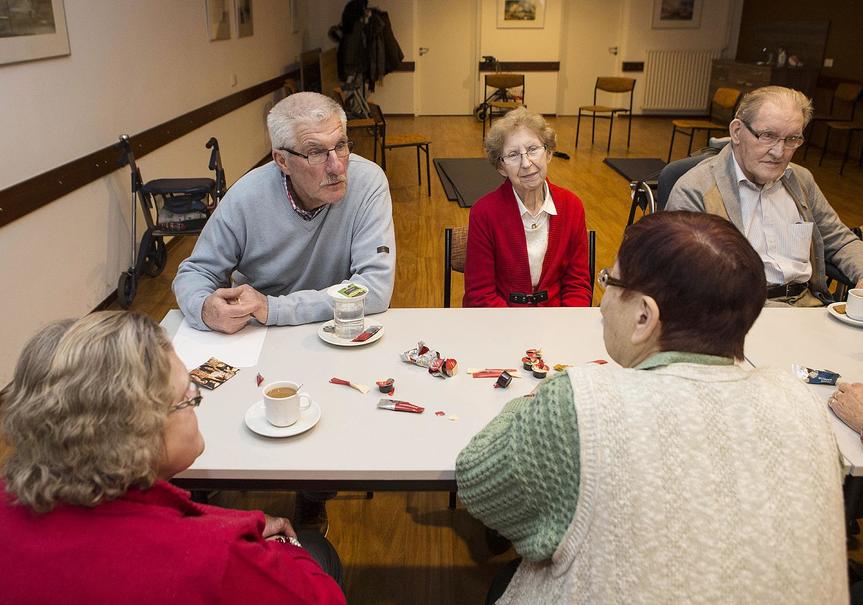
{"x":191,"y":402}
{"x":315,"y":157}
{"x":605,"y":280}
{"x":769,"y":139}
{"x":533,"y":153}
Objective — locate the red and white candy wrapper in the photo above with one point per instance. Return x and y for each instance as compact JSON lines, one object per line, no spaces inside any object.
{"x":426,"y":358}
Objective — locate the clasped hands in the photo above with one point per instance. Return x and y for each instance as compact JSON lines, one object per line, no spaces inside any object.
{"x":228,"y":309}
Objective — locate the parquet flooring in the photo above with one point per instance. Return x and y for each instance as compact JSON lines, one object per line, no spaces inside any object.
{"x":408,"y":547}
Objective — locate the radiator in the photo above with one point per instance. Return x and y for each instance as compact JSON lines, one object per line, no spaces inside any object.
{"x":678,"y":80}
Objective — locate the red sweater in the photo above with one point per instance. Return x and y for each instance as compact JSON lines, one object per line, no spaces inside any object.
{"x":148,"y":547}
{"x":497,"y":265}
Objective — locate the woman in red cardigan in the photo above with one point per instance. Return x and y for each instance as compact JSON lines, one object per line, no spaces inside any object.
{"x":527,"y":240}
{"x":99,"y":416}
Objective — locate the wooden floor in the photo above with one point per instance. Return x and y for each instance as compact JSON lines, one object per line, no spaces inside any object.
{"x":409,"y":547}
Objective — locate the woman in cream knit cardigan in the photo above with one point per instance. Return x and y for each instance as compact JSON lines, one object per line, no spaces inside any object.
{"x":678,"y":476}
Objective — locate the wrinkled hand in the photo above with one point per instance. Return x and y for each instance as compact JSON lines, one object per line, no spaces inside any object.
{"x":847,"y":402}
{"x":228,"y":309}
{"x":278,"y":526}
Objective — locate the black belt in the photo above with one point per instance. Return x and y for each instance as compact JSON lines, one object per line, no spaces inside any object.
{"x":786,"y":290}
{"x":528,"y":299}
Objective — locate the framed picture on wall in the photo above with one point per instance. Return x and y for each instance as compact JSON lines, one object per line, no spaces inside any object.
{"x":677,"y":14}
{"x":521,"y":14}
{"x":32,"y":30}
{"x":218,"y":20}
{"x":245,"y":27}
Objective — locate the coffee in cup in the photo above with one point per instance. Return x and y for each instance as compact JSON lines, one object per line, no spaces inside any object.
{"x":854,"y":304}
{"x":283,"y":402}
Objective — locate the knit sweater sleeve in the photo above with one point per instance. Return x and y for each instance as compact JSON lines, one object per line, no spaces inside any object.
{"x":520,"y":474}
{"x":372,"y":258}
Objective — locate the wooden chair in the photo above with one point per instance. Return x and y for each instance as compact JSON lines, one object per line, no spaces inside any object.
{"x":722,"y":108}
{"x":454,"y":248}
{"x":851,"y":128}
{"x":419,"y":141}
{"x":360,"y":124}
{"x":847,"y":94}
{"x":501,"y":100}
{"x":610,"y":85}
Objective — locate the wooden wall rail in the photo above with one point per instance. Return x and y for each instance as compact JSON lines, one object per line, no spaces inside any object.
{"x":521,"y":66}
{"x":25,"y":197}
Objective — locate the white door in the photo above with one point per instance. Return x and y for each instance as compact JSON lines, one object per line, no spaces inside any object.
{"x":590,"y":40}
{"x":446,"y":60}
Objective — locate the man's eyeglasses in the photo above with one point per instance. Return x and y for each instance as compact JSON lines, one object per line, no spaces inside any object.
{"x":316,"y":157}
{"x":605,"y":280}
{"x":769,"y":139}
{"x":192,"y":402}
{"x":533,"y":153}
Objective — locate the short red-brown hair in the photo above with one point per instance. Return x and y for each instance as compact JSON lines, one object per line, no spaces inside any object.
{"x":705,"y":277}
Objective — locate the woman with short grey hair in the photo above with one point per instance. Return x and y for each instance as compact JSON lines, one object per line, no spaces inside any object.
{"x":527,"y":240}
{"x":100,"y":414}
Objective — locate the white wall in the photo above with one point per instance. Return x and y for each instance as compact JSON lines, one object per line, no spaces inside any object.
{"x":133,"y":65}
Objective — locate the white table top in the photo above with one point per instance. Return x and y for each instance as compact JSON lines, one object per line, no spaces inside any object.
{"x":812,"y":338}
{"x":354,"y":442}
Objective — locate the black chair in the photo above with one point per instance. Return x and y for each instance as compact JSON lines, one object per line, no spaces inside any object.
{"x":607,"y":112}
{"x":847,"y":94}
{"x":651,"y":195}
{"x":419,"y":141}
{"x":507,"y":94}
{"x":455,"y":245}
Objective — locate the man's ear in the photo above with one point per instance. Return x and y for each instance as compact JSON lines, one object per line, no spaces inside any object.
{"x":734,"y":130}
{"x":647,"y":324}
{"x":280,"y":161}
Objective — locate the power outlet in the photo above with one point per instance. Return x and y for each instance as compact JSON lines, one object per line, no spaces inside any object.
{"x":828,"y":62}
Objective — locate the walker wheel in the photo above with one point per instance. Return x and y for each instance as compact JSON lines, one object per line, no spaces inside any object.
{"x":157,"y":257}
{"x":479,"y":112}
{"x":126,"y":289}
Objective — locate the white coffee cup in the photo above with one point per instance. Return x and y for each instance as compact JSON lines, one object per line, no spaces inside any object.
{"x":854,"y":304}
{"x":282,"y":407}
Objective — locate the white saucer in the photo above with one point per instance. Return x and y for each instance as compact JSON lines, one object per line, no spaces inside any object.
{"x":256,"y":420}
{"x":832,"y":307}
{"x":331,"y":337}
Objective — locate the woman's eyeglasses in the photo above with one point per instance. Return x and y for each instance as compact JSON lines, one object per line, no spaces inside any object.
{"x":605,"y":280}
{"x":191,"y":402}
{"x":533,"y":153}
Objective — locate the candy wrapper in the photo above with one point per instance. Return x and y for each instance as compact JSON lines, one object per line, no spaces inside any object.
{"x":813,"y":376}
{"x":426,"y":358}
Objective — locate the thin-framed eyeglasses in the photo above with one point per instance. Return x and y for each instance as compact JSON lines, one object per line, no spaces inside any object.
{"x":605,"y":280}
{"x":315,"y":157}
{"x":191,"y":402}
{"x":769,"y":139}
{"x":533,"y":153}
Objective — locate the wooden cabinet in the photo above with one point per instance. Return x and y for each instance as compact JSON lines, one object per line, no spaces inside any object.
{"x":749,"y":76}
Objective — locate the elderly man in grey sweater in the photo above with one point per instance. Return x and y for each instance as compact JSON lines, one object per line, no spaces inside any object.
{"x":313,"y":217}
{"x":776,"y":204}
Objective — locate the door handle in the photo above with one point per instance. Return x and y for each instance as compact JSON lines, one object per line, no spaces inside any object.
{"x":423,"y":50}
{"x":613,"y":50}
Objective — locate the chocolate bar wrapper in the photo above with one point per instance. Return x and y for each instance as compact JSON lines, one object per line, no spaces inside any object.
{"x":813,"y":376}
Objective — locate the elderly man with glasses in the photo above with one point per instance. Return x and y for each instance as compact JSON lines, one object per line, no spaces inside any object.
{"x":776,"y":204}
{"x":313,"y":217}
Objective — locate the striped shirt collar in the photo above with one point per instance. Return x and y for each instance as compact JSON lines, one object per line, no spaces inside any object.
{"x":306,"y":215}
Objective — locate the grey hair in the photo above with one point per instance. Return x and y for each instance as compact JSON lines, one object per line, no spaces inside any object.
{"x":93,"y":425}
{"x":753,"y":101}
{"x":300,"y":108}
{"x":512,"y":121}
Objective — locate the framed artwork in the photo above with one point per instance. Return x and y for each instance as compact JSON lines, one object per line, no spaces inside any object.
{"x":32,"y":30}
{"x":521,"y":14}
{"x":245,"y":27}
{"x":218,"y":20}
{"x":676,"y":14}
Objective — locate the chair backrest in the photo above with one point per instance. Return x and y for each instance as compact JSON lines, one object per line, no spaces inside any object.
{"x":289,"y":87}
{"x":676,"y":169}
{"x":454,"y":249}
{"x":723,"y":104}
{"x":615,"y":84}
{"x":847,"y":93}
{"x":505,"y":82}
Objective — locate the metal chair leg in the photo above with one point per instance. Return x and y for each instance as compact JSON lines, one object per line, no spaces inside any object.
{"x":691,"y":138}
{"x":628,"y":129}
{"x":610,"y":129}
{"x":577,"y":128}
{"x":847,"y":150}
{"x":671,"y":146}
{"x":826,"y":144}
{"x":452,"y":500}
{"x":592,"y":127}
{"x":428,"y":170}
{"x":419,"y":174}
